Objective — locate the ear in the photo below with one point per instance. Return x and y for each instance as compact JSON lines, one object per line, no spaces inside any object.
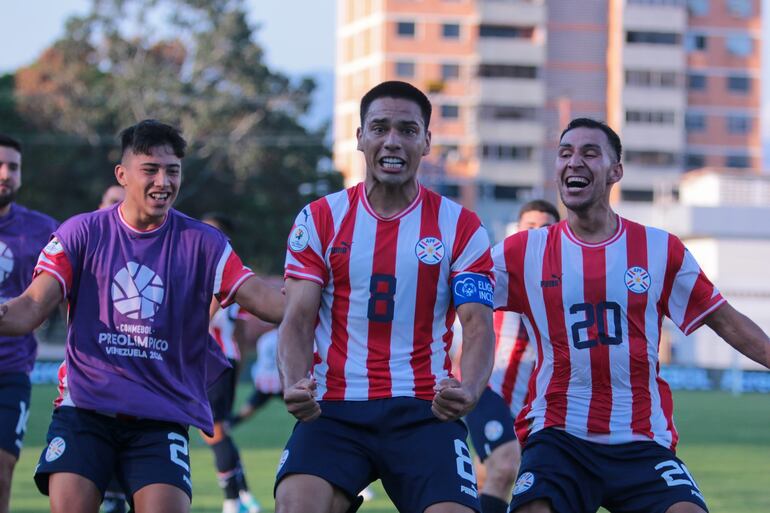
{"x":120,"y":174}
{"x":427,"y":143}
{"x":615,"y":174}
{"x":359,"y":134}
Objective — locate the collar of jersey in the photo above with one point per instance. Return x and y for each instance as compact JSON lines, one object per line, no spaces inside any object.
{"x":368,"y":207}
{"x":137,"y":230}
{"x":615,"y":236}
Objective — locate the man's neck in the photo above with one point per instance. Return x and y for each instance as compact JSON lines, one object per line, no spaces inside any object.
{"x":388,"y":201}
{"x":593,"y":225}
{"x":139,"y":222}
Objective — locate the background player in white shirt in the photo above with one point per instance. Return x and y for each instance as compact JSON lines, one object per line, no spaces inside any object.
{"x":598,"y":426}
{"x":491,"y":422}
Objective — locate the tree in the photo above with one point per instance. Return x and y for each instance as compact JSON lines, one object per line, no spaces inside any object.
{"x":194,"y":64}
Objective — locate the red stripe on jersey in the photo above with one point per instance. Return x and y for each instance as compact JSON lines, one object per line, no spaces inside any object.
{"x":61,"y":385}
{"x":701,"y":294}
{"x":467,"y":224}
{"x":338,"y":350}
{"x":514,"y":250}
{"x":512,"y":371}
{"x":57,"y":265}
{"x":674,"y":263}
{"x":639,"y":367}
{"x":556,"y":392}
{"x":427,"y":286}
{"x":234,"y":275}
{"x":383,"y":280}
{"x":667,"y":405}
{"x":594,"y":294}
{"x":324,"y":224}
{"x":216,"y":332}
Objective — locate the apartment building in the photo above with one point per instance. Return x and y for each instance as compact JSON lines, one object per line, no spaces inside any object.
{"x":678,"y":79}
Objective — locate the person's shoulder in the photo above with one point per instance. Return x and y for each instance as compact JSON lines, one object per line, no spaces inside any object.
{"x":449,"y":205}
{"x":36,"y":218}
{"x":196,"y":228}
{"x":651,"y":231}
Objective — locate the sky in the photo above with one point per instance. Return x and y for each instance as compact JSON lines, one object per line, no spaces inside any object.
{"x":293,"y":44}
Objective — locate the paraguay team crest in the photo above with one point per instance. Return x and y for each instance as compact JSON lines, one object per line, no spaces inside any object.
{"x":524,"y":483}
{"x":493,"y":430}
{"x":6,"y":261}
{"x":637,"y":279}
{"x":55,"y":449}
{"x":137,"y":291}
{"x":429,"y":250}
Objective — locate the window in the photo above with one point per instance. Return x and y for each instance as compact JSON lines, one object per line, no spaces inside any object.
{"x":450,"y":30}
{"x":507,"y":112}
{"x":507,"y":71}
{"x":695,"y":122}
{"x":509,"y":192}
{"x":695,"y":42}
{"x":742,"y":161}
{"x":405,"y":28}
{"x":450,"y":111}
{"x":450,"y":71}
{"x":650,"y":158}
{"x":506,"y":152}
{"x":740,"y":8}
{"x":738,"y":124}
{"x":654,"y":38}
{"x":507,"y":31}
{"x":650,"y":78}
{"x":694,"y":161}
{"x":405,"y":69}
{"x":650,"y":117}
{"x":696,"y":82}
{"x":739,"y":84}
{"x":698,"y":7}
{"x":739,"y":44}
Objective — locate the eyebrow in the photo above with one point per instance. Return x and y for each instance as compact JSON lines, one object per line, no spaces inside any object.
{"x":589,"y":146}
{"x":397,"y":121}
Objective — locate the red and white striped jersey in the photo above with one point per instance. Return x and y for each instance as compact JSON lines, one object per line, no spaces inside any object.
{"x":594,"y":312}
{"x":384,"y":325}
{"x":222,"y":328}
{"x":514,"y":360}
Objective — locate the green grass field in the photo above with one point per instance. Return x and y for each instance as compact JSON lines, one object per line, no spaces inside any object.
{"x":725,"y":442}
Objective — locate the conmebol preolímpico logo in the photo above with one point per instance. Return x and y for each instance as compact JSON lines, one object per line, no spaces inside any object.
{"x":137,"y":291}
{"x":6,"y":261}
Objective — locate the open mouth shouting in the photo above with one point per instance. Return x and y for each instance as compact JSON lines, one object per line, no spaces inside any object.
{"x":159,"y":199}
{"x":392,"y":164}
{"x":576,"y":183}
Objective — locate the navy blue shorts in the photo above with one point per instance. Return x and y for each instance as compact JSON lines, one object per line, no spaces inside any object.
{"x":95,"y":446}
{"x":420,"y":460}
{"x":490,"y":424}
{"x":579,"y":476}
{"x":221,"y":393}
{"x":14,"y":410}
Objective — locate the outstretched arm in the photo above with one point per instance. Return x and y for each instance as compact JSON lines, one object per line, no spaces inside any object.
{"x":740,"y":332}
{"x":261,"y":299}
{"x":295,"y":348}
{"x":23,"y":314}
{"x":454,"y":398}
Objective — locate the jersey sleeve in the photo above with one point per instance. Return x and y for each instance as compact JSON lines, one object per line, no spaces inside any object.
{"x":54,"y":261}
{"x":690,"y":294}
{"x":508,"y":258}
{"x":230,"y":275}
{"x":471,"y":248}
{"x":304,"y":253}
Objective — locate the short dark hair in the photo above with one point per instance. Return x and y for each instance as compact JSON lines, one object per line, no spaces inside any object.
{"x":612,"y":136}
{"x":397,"y":89}
{"x":150,"y":133}
{"x":225,"y":223}
{"x":10,"y":142}
{"x":540,"y":205}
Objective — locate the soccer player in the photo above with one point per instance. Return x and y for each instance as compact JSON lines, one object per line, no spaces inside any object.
{"x":138,"y":277}
{"x":597,"y":428}
{"x":264,"y":373}
{"x":221,"y":394}
{"x":374,"y":274}
{"x":23,"y":233}
{"x":490,"y":423}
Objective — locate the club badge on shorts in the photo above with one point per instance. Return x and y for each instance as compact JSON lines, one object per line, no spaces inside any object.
{"x":524,"y":483}
{"x":55,"y":449}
